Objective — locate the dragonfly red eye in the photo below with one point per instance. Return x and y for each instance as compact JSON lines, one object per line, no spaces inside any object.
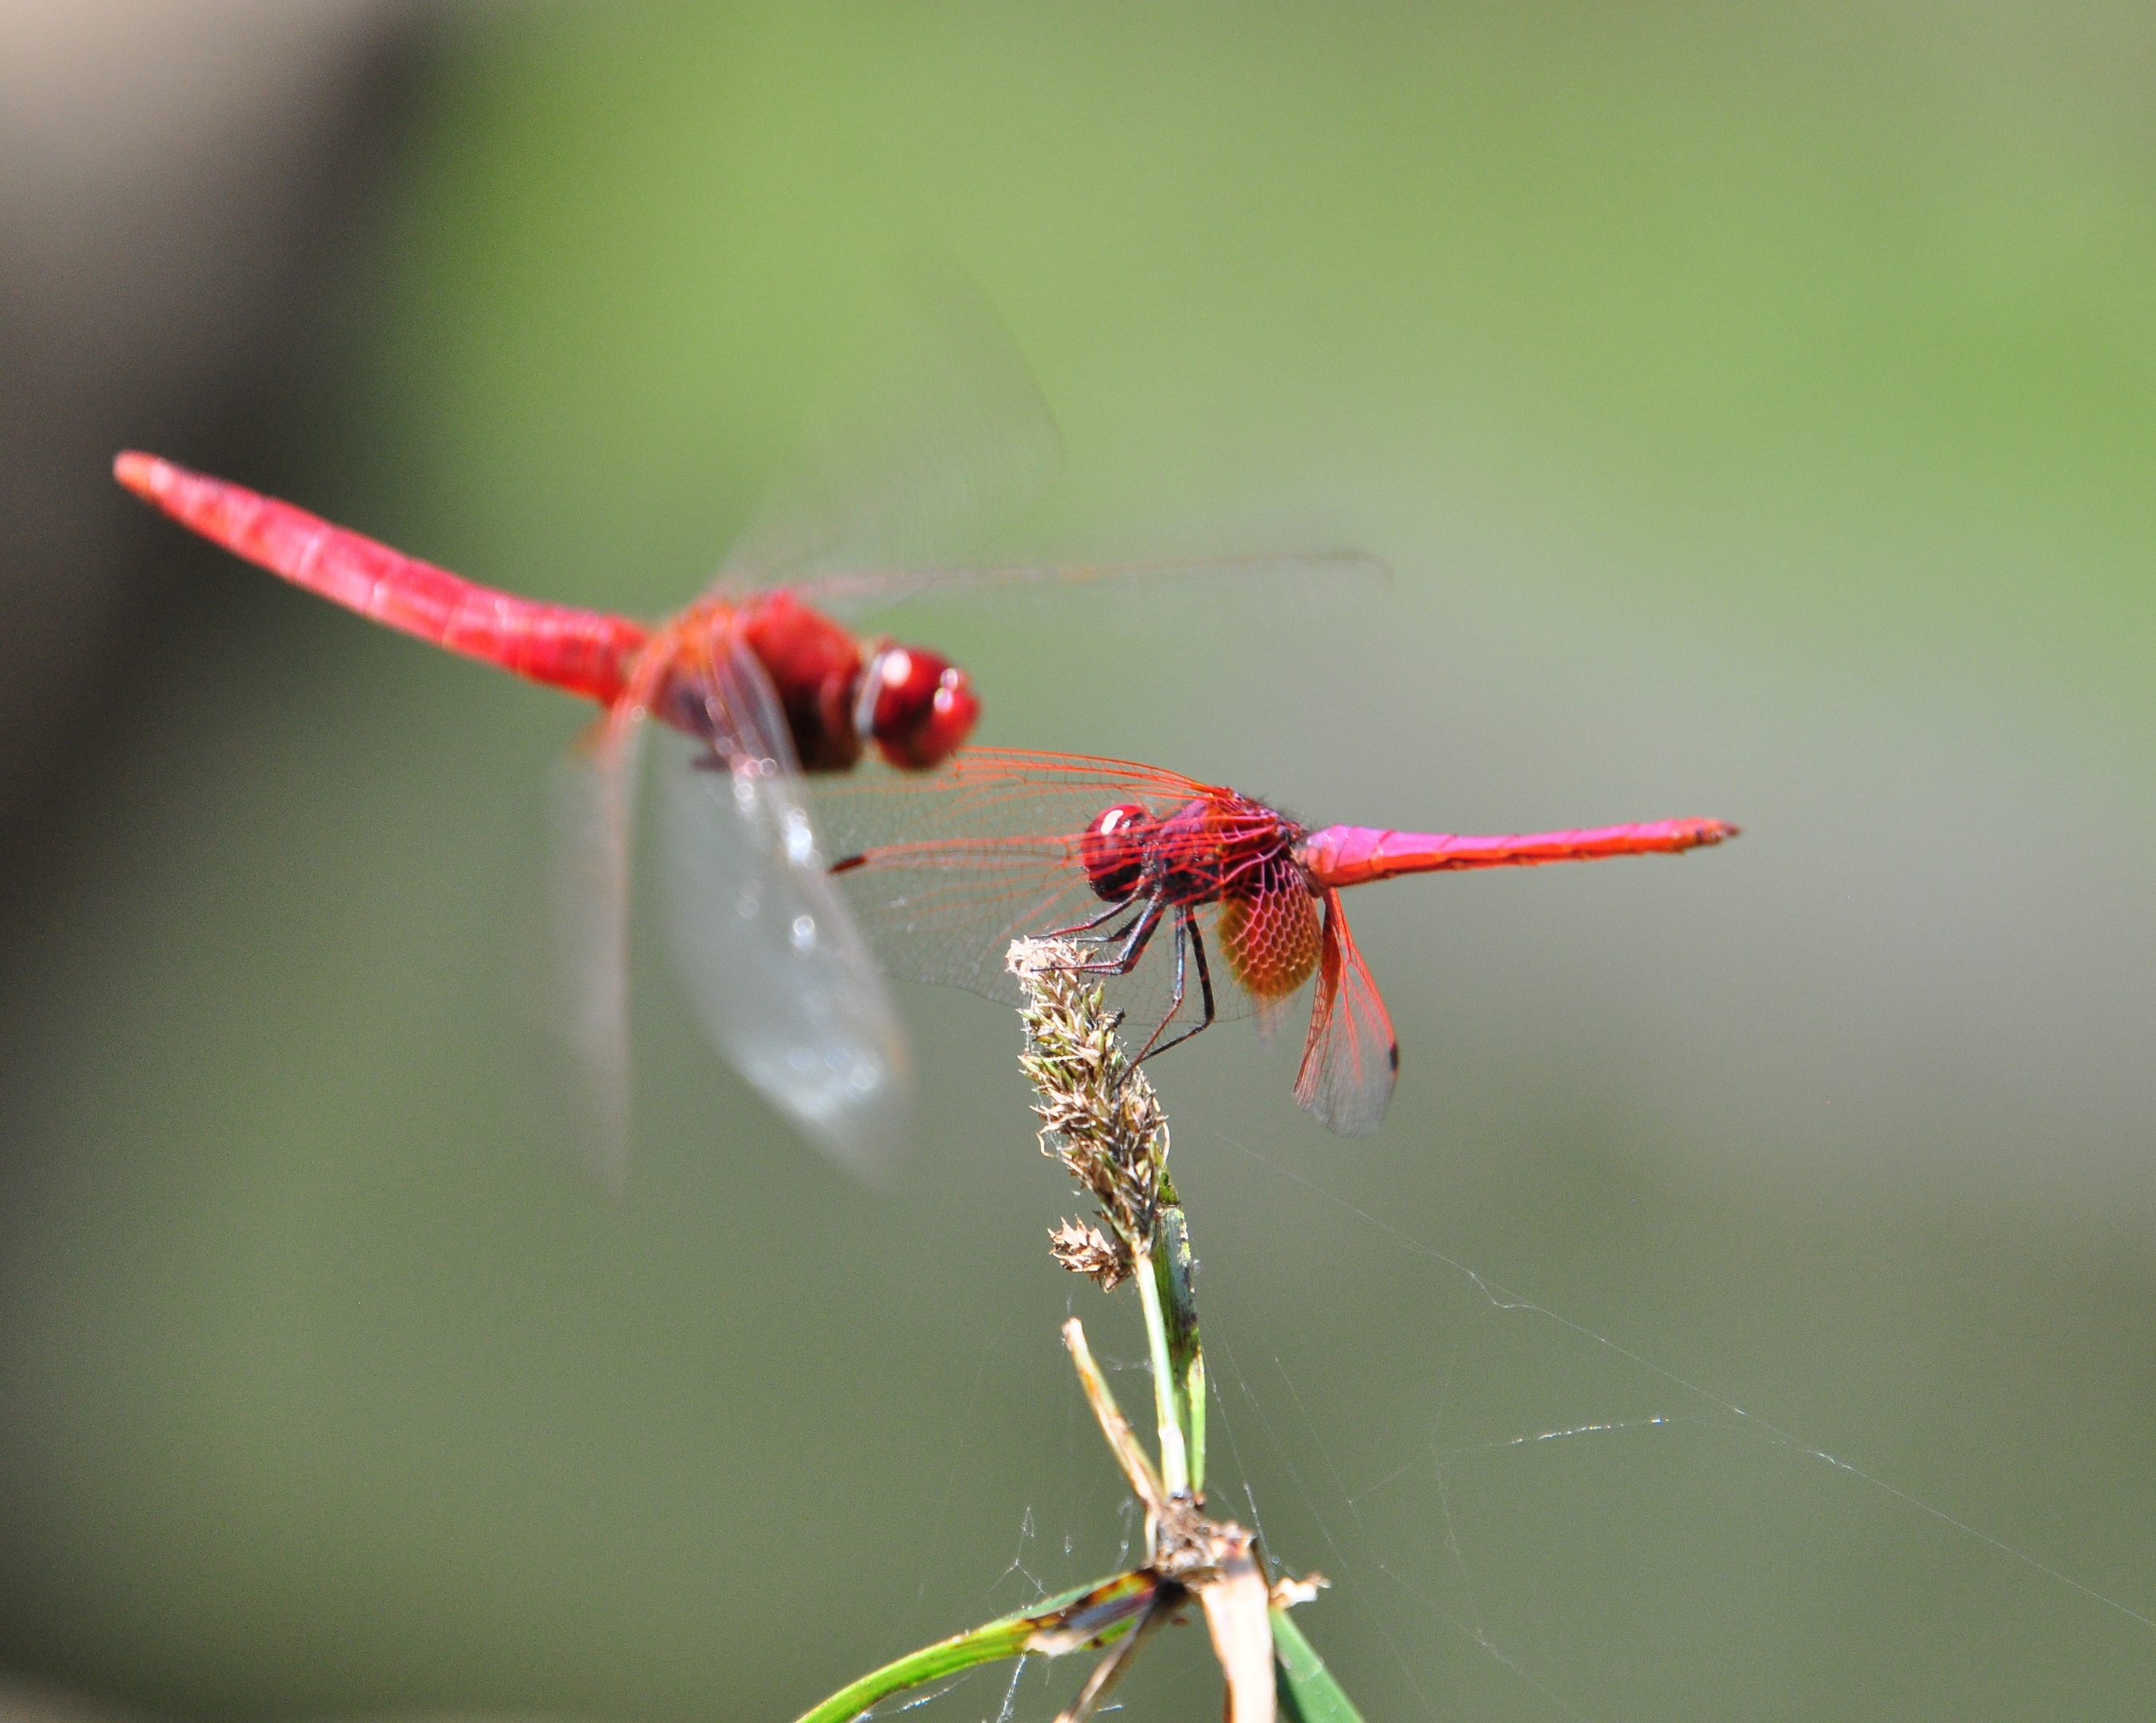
{"x":1113,"y":850}
{"x":919,"y":706}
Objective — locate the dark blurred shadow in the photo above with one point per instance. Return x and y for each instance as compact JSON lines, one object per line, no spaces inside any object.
{"x":22,"y":1703}
{"x":182,"y":187}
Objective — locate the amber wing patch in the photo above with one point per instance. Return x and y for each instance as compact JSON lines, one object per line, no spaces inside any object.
{"x":1270,"y":940}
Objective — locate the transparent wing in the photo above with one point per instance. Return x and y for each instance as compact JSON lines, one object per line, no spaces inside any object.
{"x":1288,"y":584}
{"x":985,"y":803}
{"x":943,"y":440}
{"x":944,"y":869}
{"x":592,"y":815}
{"x":777,"y":972}
{"x":1352,"y":1058}
{"x":946,"y":917}
{"x":1270,"y":1013}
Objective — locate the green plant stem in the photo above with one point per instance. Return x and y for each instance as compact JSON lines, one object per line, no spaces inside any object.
{"x":1174,"y":1455}
{"x":1193,"y":1407}
{"x":1175,"y":1267}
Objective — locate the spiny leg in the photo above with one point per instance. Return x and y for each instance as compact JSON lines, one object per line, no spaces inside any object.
{"x":1135,"y":939}
{"x":1133,"y":947}
{"x":1186,"y":924}
{"x":1090,"y":922}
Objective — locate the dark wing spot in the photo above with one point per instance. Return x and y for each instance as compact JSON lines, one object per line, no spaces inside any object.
{"x":848,"y":864}
{"x":1392,"y":1056}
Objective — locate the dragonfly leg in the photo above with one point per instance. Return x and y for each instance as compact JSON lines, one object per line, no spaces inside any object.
{"x":1186,"y":923}
{"x":1090,"y":922}
{"x":1133,"y":947}
{"x":1110,"y":936}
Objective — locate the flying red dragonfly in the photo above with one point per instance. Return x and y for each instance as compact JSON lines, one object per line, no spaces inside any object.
{"x":764,"y":685}
{"x":944,"y":871}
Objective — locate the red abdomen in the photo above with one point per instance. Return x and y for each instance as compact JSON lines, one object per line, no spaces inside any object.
{"x":586,"y":652}
{"x":1341,"y":856}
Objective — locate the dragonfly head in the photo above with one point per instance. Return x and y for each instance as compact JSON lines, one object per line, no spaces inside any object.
{"x":916,"y":705}
{"x":1112,"y":851}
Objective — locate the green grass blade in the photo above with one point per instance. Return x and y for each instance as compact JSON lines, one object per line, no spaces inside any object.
{"x":1308,"y":1692}
{"x":1091,"y":1615}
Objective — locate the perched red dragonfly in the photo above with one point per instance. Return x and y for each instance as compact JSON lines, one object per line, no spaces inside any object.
{"x":762,"y":684}
{"x":942,"y":872}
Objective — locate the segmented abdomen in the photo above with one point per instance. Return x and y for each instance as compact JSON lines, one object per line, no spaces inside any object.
{"x":586,"y":652}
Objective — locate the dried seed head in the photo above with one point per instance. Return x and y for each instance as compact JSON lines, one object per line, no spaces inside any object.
{"x":1089,"y":1251}
{"x":1098,"y":1113}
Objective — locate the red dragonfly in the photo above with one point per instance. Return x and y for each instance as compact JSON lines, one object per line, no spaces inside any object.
{"x":943,"y":872}
{"x":764,"y":685}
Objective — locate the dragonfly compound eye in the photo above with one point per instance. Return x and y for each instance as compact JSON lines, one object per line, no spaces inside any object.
{"x":917,"y":705}
{"x":1113,"y":851}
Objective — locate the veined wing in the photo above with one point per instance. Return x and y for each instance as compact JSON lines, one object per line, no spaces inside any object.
{"x":987,"y":795}
{"x":1352,"y":1058}
{"x":776,"y":970}
{"x":942,"y":870}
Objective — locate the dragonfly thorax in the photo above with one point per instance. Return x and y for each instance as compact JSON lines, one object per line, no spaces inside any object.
{"x":1217,"y":848}
{"x":1211,"y":848}
{"x":914,"y":705}
{"x":814,"y":666}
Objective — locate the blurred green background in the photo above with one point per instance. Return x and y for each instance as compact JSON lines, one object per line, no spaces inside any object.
{"x":1756,"y":408}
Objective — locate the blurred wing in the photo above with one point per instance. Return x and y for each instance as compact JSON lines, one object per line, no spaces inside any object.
{"x":1291,"y":584}
{"x":945,"y":440}
{"x":777,"y":972}
{"x":1352,"y":1058}
{"x":594,"y":792}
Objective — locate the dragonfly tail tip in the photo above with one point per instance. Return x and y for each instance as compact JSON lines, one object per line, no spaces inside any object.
{"x":145,"y":474}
